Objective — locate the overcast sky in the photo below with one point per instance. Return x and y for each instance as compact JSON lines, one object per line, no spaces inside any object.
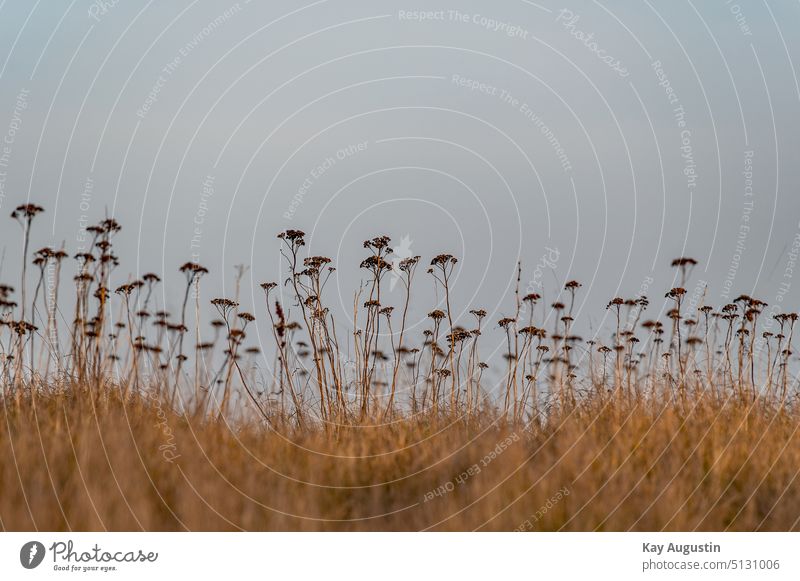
{"x":590,"y":140}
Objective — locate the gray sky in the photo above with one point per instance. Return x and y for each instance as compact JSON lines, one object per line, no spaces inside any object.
{"x":595,"y":140}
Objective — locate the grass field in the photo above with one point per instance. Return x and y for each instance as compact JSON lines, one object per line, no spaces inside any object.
{"x":125,"y":418}
{"x":77,"y":461}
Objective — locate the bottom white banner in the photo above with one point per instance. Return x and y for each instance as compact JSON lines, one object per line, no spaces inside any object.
{"x":400,"y":556}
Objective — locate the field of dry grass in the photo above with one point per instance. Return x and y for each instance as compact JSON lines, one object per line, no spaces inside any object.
{"x":73,"y":461}
{"x":128,"y":417}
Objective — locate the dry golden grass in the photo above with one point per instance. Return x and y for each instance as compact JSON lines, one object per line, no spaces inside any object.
{"x":73,"y":461}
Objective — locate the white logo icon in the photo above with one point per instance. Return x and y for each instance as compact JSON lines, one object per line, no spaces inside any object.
{"x":399,"y":253}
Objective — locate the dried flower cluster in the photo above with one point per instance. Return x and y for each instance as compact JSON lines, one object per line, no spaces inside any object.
{"x":312,"y":373}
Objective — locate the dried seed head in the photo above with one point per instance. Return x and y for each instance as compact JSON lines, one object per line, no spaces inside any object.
{"x":676,"y":293}
{"x":316,"y":262}
{"x":125,"y":289}
{"x":28,"y":211}
{"x":375,"y":263}
{"x":110,"y":226}
{"x":293,"y":236}
{"x":379,"y":243}
{"x":457,"y":336}
{"x":408,"y":263}
{"x":436,"y":315}
{"x":193,"y":270}
{"x":443,"y":260}
{"x":684,"y":261}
